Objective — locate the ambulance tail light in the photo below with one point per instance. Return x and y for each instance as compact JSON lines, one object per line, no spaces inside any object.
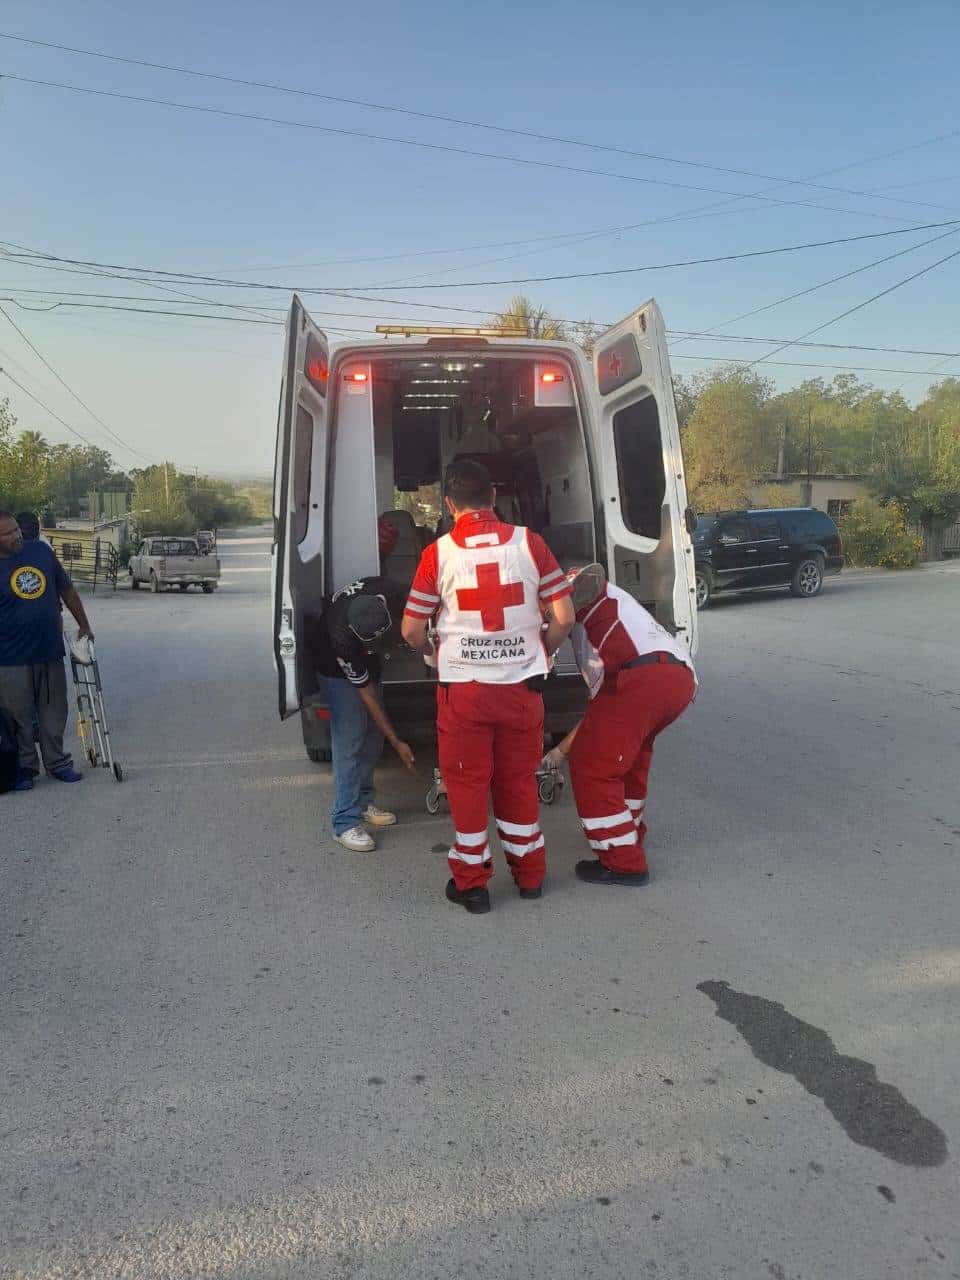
{"x":552,"y":387}
{"x":316,"y":365}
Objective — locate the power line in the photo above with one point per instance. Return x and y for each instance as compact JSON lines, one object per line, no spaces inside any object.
{"x":445,"y":148}
{"x":917,"y":182}
{"x":68,"y":299}
{"x":369,"y":333}
{"x":151,"y":311}
{"x":804,"y":364}
{"x":827,"y":346}
{"x":455,"y":120}
{"x":36,"y":399}
{"x":574,"y":237}
{"x":859,"y":307}
{"x":577,"y":237}
{"x":844,"y":275}
{"x":220,"y":282}
{"x":63,"y":382}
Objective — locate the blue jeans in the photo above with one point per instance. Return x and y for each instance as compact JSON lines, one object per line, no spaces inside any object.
{"x":357,"y":744}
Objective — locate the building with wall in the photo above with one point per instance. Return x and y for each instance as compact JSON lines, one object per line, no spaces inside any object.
{"x":831,"y":493}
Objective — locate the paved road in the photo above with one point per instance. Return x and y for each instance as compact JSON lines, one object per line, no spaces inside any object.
{"x":229,"y":1049}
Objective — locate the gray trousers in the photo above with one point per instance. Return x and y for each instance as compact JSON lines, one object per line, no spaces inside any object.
{"x":37,"y":694}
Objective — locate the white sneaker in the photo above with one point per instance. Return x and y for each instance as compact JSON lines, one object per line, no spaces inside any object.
{"x":356,"y":840}
{"x":378,"y":817}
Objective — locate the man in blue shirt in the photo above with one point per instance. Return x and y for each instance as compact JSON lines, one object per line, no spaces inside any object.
{"x":32,"y":678}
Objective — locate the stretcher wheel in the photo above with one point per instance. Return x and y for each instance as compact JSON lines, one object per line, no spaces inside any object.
{"x":117,"y":772}
{"x":433,"y":801}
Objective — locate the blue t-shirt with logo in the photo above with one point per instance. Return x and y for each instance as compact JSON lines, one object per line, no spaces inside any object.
{"x":31,"y":584}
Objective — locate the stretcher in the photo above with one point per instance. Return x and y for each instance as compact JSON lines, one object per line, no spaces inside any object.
{"x":549,"y":784}
{"x":92,"y":726}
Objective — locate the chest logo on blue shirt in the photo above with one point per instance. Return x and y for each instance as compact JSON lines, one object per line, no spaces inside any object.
{"x":28,"y":583}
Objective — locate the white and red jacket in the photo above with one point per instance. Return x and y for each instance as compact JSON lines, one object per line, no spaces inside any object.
{"x":614,"y":630}
{"x":486,"y":582}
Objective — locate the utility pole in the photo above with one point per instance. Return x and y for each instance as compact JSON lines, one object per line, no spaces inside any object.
{"x":782,"y":454}
{"x":166,"y":481}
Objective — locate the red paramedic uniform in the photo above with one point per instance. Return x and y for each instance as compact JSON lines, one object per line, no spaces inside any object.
{"x":486,"y":582}
{"x":640,"y":681}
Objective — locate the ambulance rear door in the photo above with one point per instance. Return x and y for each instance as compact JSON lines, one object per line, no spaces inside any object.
{"x":644,"y":496}
{"x":299,"y":504}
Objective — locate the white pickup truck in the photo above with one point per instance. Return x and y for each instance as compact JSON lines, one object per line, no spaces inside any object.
{"x":167,"y":562}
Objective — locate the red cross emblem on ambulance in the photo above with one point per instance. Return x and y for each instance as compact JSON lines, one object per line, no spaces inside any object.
{"x":490,"y":597}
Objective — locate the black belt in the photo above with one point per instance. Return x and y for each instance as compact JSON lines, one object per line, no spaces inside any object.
{"x":646,"y":659}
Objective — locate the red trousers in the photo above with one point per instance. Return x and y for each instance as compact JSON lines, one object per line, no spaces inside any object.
{"x":491,"y":743}
{"x":611,"y":754}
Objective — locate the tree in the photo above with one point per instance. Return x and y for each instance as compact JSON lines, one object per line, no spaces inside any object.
{"x":166,"y":500}
{"x":727,"y":439}
{"x":918,"y":465}
{"x":76,"y":470}
{"x":214,"y":504}
{"x":159,"y":503}
{"x":24,"y":478}
{"x":532,"y":321}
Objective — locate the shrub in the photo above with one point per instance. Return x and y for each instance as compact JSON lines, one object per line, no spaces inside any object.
{"x":878,"y":535}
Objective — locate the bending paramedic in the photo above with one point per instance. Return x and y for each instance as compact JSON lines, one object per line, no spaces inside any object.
{"x":640,"y":680}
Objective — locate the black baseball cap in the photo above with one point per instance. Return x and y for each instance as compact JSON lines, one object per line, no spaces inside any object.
{"x":368,"y":617}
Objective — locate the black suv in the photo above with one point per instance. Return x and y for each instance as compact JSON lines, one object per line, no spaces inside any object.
{"x":756,"y":550}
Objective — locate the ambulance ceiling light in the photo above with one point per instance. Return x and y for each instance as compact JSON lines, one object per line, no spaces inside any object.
{"x":356,"y":375}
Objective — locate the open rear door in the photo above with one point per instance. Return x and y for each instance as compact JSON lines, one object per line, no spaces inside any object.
{"x":649,"y":552}
{"x":299,"y":504}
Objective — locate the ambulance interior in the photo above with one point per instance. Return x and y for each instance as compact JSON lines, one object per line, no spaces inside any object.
{"x":515,"y":414}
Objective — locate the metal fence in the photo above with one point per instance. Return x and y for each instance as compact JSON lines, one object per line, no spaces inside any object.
{"x":950,"y":546}
{"x":88,"y":560}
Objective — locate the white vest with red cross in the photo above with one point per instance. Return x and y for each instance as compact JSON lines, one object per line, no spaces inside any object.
{"x":489,"y":621}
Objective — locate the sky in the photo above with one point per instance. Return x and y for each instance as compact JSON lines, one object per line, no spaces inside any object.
{"x":774,"y":91}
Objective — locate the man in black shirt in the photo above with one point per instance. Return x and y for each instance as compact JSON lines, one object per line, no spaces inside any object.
{"x":360,"y":621}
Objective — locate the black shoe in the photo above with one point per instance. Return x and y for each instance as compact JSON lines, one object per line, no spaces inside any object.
{"x":531,"y":893}
{"x":594,"y":872}
{"x":476,"y":901}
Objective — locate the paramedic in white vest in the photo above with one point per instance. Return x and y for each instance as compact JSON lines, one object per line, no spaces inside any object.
{"x":640,"y":679}
{"x":491,"y":587}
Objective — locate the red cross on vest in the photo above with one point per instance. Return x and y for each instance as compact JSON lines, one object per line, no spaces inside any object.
{"x":490,"y":596}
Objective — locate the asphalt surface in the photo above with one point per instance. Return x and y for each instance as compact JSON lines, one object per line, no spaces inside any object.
{"x":231,"y":1049}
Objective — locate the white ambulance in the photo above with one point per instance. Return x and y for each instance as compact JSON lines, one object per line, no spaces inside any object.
{"x":583,"y":449}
